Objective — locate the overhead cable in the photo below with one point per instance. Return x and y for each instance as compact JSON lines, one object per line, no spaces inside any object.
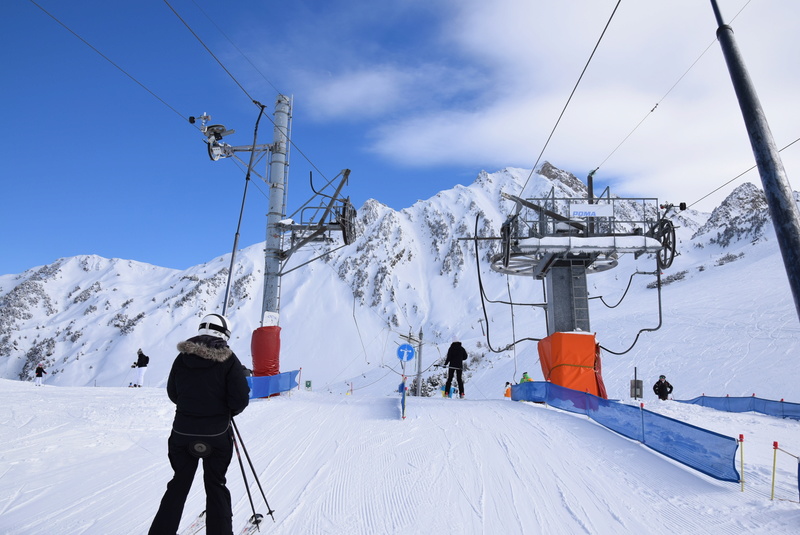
{"x":682,"y":76}
{"x":123,"y":71}
{"x":212,"y":54}
{"x":571,"y":95}
{"x":237,"y":48}
{"x":737,"y":176}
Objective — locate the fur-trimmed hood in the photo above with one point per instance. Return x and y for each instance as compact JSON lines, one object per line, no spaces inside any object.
{"x":206,"y":347}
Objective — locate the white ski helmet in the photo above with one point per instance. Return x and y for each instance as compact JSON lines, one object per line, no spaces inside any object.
{"x":215,"y":325}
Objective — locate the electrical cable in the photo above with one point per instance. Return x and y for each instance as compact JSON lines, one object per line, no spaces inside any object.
{"x":674,"y":85}
{"x":123,"y":71}
{"x":630,"y":280}
{"x":653,"y":109}
{"x":513,"y":326}
{"x":569,"y":99}
{"x":241,"y":213}
{"x":483,"y":303}
{"x":291,"y":143}
{"x":651,"y":329}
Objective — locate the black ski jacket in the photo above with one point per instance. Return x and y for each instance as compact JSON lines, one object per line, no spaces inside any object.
{"x":456,"y":356}
{"x":207,"y":385}
{"x":142,"y":361}
{"x":662,"y":390}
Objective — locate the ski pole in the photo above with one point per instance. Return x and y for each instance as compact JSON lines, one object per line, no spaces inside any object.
{"x":244,"y":475}
{"x":247,"y":455}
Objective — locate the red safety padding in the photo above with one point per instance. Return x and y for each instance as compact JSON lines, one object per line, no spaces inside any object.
{"x":265,"y":345}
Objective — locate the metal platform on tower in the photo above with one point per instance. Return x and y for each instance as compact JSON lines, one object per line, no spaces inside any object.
{"x":562,"y":240}
{"x":547,"y":232}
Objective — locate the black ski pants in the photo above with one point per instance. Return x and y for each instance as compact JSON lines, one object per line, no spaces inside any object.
{"x":458,"y":372}
{"x":218,"y":497}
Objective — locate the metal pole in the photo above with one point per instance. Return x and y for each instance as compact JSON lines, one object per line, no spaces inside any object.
{"x":419,"y":365}
{"x":782,"y":208}
{"x":277,"y":187}
{"x":241,"y":213}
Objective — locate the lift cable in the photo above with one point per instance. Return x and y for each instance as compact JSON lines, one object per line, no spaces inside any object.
{"x":212,"y":54}
{"x":123,"y":71}
{"x":737,"y":176}
{"x":237,"y":48}
{"x":678,"y":81}
{"x":571,"y":94}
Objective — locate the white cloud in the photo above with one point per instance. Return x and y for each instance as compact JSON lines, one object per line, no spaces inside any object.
{"x":484,"y":84}
{"x":692,"y":142}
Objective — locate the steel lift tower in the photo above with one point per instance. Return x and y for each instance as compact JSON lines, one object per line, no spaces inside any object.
{"x":335,"y":214}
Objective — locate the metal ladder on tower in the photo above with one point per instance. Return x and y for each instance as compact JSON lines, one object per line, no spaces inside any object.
{"x":580,"y":296}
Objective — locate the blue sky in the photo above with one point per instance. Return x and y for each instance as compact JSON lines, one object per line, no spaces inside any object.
{"x":414,"y":97}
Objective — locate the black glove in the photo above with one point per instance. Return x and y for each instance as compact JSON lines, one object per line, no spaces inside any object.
{"x":133,"y":365}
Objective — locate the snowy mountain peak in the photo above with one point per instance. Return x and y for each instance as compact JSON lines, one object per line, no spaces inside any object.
{"x":574,"y":186}
{"x":742,"y":215}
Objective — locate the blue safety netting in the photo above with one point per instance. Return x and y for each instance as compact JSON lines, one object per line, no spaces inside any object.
{"x":781,"y":409}
{"x":265,"y":386}
{"x":706,"y":451}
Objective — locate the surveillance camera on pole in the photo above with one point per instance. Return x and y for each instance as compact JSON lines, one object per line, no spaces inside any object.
{"x":214,"y":134}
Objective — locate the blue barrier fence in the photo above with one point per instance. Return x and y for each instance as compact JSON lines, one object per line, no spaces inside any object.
{"x":781,"y":409}
{"x":705,"y":451}
{"x":262,"y":387}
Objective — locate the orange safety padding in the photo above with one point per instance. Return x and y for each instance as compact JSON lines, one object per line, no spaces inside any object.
{"x":572,"y":360}
{"x":265,"y":345}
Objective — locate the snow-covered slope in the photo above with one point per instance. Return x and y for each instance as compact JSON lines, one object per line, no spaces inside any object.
{"x":93,"y":461}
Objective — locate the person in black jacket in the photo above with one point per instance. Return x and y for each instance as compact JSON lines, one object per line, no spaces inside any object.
{"x":208,"y":386}
{"x":40,"y":373}
{"x":662,"y":388}
{"x":456,"y":356}
{"x":142,"y":361}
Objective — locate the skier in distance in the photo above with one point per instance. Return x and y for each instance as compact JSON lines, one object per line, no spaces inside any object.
{"x":456,"y":356}
{"x":662,"y":388}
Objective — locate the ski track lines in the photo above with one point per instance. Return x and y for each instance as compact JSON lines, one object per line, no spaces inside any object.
{"x":479,"y":466}
{"x":356,"y":501}
{"x":36,"y":442}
